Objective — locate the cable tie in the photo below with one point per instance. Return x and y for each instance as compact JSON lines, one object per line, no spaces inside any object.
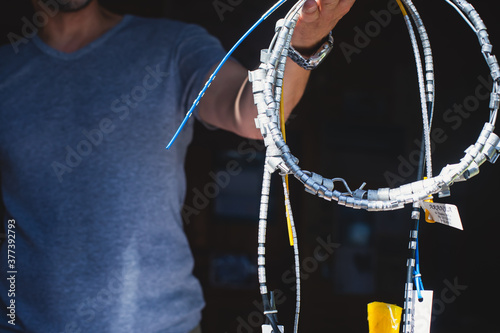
{"x":270,"y":312}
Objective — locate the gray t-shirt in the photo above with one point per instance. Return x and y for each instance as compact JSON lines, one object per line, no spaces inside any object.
{"x":96,"y":197}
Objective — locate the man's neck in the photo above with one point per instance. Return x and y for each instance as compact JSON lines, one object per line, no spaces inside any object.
{"x":69,"y":32}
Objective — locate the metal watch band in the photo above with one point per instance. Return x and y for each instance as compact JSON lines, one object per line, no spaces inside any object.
{"x":316,"y":58}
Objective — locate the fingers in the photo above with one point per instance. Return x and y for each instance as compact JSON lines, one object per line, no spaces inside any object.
{"x":329,"y":4}
{"x":317,"y":19}
{"x":325,"y":11}
{"x":310,"y":11}
{"x":345,"y":6}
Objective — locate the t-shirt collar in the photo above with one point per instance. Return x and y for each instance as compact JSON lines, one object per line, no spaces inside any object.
{"x":87,"y":48}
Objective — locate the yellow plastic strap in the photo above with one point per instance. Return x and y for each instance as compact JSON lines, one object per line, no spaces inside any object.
{"x":427,"y":214}
{"x":282,"y":121}
{"x":384,"y":318}
{"x":403,"y":10}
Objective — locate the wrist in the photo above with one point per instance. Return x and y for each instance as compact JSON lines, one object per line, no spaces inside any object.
{"x":308,"y":50}
{"x":310,"y":57}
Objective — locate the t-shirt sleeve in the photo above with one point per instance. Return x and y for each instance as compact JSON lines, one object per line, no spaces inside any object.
{"x":197,"y":53}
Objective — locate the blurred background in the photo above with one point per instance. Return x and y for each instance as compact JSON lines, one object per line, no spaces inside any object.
{"x":360,"y":119}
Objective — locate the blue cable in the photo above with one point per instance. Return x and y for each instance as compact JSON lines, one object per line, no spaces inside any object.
{"x":216,"y":71}
{"x":416,"y":273}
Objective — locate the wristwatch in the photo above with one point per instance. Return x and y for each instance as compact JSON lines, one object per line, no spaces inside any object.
{"x":313,"y":61}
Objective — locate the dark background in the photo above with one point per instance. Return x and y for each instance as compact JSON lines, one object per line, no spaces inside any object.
{"x":359,"y":120}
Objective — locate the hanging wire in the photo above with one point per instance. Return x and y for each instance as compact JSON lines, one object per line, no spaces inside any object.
{"x":286,"y":187}
{"x":430,"y":82}
{"x":280,"y":37}
{"x":421,"y":82}
{"x":270,"y":313}
{"x":296,"y":255}
{"x":426,"y":87}
{"x":466,"y":19}
{"x":292,"y":233}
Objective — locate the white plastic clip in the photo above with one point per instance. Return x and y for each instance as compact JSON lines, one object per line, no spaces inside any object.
{"x":269,"y":329}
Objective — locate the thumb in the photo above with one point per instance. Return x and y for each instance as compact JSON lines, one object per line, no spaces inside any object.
{"x":310,"y":11}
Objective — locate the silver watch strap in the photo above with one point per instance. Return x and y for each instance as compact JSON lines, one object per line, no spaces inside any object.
{"x":313,"y":61}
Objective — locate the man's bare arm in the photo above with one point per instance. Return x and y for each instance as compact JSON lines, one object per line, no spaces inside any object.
{"x":228,"y":104}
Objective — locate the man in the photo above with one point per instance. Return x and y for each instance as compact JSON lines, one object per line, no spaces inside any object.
{"x":91,"y":198}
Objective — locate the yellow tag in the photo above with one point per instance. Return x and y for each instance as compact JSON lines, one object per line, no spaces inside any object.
{"x":383,"y":317}
{"x":428,"y":218}
{"x":427,"y":213}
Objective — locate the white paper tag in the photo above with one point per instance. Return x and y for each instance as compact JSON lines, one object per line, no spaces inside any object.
{"x":444,"y":213}
{"x":422,"y":312}
{"x":268,"y":328}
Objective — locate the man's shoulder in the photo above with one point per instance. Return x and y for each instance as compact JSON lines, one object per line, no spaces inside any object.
{"x":13,"y":56}
{"x":8,"y":50}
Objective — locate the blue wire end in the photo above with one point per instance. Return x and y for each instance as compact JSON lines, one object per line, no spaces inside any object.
{"x":188,"y":115}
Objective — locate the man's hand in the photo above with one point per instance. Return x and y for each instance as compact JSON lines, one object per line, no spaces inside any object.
{"x":317,"y":19}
